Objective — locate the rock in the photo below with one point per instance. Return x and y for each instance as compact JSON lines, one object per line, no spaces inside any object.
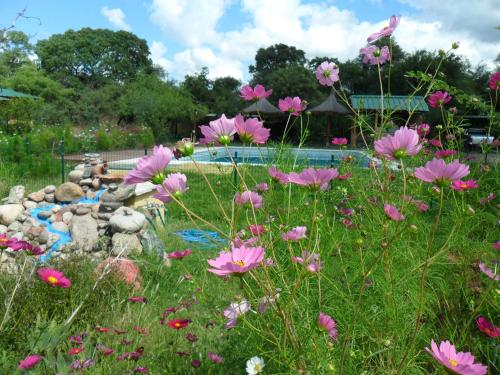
{"x":10,"y":212}
{"x":95,"y":215}
{"x":37,"y":196}
{"x":22,"y":218}
{"x":151,"y":243}
{"x":127,"y":220}
{"x":113,"y":187}
{"x":109,"y":206}
{"x":53,"y":238}
{"x":125,"y":242}
{"x":43,"y":237}
{"x":111,"y":178}
{"x":29,"y":204}
{"x":16,"y":194}
{"x":75,"y":175}
{"x":3,"y":229}
{"x":87,"y":171}
{"x":68,"y":192}
{"x":44,"y":215}
{"x":103,"y":225}
{"x":86,"y":182}
{"x":33,"y":232}
{"x":96,"y":184}
{"x":121,"y":194}
{"x":66,"y":217}
{"x":84,"y":232}
{"x":56,"y":208}
{"x":50,"y":198}
{"x":82,"y":211}
{"x":144,"y":188}
{"x":16,"y":226}
{"x":104,"y":216}
{"x":49,"y":189}
{"x":91,"y":194}
{"x":85,"y":189}
{"x":60,"y":226}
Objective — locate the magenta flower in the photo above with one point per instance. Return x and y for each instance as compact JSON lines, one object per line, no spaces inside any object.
{"x":494,"y":81}
{"x":438,"y":99}
{"x":496,"y":245}
{"x":489,"y":272}
{"x":249,"y":199}
{"x":404,"y":142}
{"x":423,"y":130}
{"x":292,"y":105}
{"x":488,"y":198}
{"x":327,"y":73}
{"x":256,"y":230}
{"x":487,"y":327}
{"x":195,"y":363}
{"x":328,"y":324}
{"x":386,"y":31}
{"x":295,"y":235}
{"x":278,"y":176}
{"x":464,"y":185}
{"x":173,"y":186}
{"x":459,"y":363}
{"x":30,"y":361}
{"x":441,"y":154}
{"x":239,"y":260}
{"x":251,"y":130}
{"x":215,"y":358}
{"x":141,"y":370}
{"x":438,"y":172}
{"x":179,"y":254}
{"x":261,"y":188}
{"x":53,"y":277}
{"x":311,"y":261}
{"x":421,"y":206}
{"x":258,"y":92}
{"x":267,"y":301}
{"x":150,"y":168}
{"x":315,"y":179}
{"x":393,"y":213}
{"x":138,"y":299}
{"x":234,"y":310}
{"x":375,"y":56}
{"x":339,"y":141}
{"x":436,"y":143}
{"x":220,"y":131}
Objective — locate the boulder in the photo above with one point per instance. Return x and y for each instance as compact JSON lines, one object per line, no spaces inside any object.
{"x":121,"y":194}
{"x":43,"y":237}
{"x":75,"y":175}
{"x":10,"y":212}
{"x":66,"y":217}
{"x":86,"y":182}
{"x":50,"y":197}
{"x":84,"y":232}
{"x":37,"y":196}
{"x":49,"y":189}
{"x":16,"y":226}
{"x":127,"y":220}
{"x":111,"y":178}
{"x":44,"y":215}
{"x":96,"y":184}
{"x":3,"y":229}
{"x":82,"y":210}
{"x":109,"y":206}
{"x":16,"y":194}
{"x":127,"y":243}
{"x":68,"y":192}
{"x":60,"y":226}
{"x":29,"y":204}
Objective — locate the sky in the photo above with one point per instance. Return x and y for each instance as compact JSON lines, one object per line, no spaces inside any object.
{"x":224,"y":35}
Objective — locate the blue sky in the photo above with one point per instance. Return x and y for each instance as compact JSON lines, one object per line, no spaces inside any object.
{"x":185,"y":35}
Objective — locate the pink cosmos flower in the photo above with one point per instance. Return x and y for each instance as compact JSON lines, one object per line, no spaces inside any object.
{"x":30,"y":361}
{"x":251,"y":130}
{"x":256,"y":230}
{"x":339,"y":141}
{"x":292,"y":105}
{"x":258,"y":92}
{"x":393,"y":212}
{"x":150,"y":168}
{"x":248,"y":198}
{"x":436,"y":143}
{"x":238,"y":242}
{"x":261,"y":188}
{"x":179,"y":254}
{"x":295,"y":235}
{"x":311,"y":261}
{"x":464,"y":185}
{"x":438,"y":99}
{"x":6,"y":242}
{"x":374,"y":56}
{"x":138,"y":299}
{"x":421,"y":206}
{"x":437,"y":171}
{"x":423,"y":130}
{"x":328,"y":324}
{"x":234,"y":310}
{"x":220,"y":131}
{"x":488,"y":198}
{"x":345,"y":176}
{"x":494,"y":81}
{"x":487,"y":327}
{"x":459,"y":363}
{"x":53,"y":277}
{"x":496,"y":245}
{"x":386,"y":31}
{"x":489,"y":272}
{"x":347,"y":223}
{"x":278,"y":176}
{"x":141,"y":370}
{"x":327,"y":73}
{"x":239,"y":260}
{"x":75,"y":351}
{"x":441,"y":154}
{"x":404,"y":142}
{"x":173,"y":186}
{"x":267,"y":301}
{"x":315,"y":179}
{"x":215,"y":358}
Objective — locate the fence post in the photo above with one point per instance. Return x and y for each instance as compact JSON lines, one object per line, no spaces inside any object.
{"x":235,"y":173}
{"x":332,"y":161}
{"x":62,"y":161}
{"x":145,"y":150}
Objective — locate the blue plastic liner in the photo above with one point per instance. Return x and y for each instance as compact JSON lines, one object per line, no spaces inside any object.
{"x":202,"y":238}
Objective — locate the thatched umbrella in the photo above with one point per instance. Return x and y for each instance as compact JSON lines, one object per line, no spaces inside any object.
{"x":329,"y":107}
{"x":262,"y":106}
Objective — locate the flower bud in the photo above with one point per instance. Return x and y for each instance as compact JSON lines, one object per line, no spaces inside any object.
{"x":470,"y":210}
{"x":455,"y":45}
{"x":359,"y":241}
{"x":414,"y":228}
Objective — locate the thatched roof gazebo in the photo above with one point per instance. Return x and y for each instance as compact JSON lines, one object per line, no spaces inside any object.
{"x":262,"y":106}
{"x":329,"y":107}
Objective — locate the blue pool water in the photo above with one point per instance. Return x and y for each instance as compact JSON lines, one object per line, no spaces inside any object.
{"x":258,"y":160}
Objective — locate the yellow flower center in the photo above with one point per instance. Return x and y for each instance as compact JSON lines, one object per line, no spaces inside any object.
{"x":239,"y":263}
{"x":463,"y":185}
{"x":178,"y":324}
{"x":453,"y":362}
{"x":257,"y":367}
{"x":52,"y":280}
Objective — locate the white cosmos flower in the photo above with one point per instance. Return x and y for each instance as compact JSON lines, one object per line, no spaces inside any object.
{"x":255,"y":365}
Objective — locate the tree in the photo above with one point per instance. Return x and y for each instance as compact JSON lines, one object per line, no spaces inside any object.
{"x":275,"y":57}
{"x":94,"y":57}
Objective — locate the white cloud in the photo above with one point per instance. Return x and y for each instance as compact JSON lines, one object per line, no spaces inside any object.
{"x":158,"y":51}
{"x":116,"y":17}
{"x":318,"y":29}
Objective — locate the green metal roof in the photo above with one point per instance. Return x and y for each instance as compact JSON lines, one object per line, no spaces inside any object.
{"x":394,"y":103}
{"x":9,"y":93}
